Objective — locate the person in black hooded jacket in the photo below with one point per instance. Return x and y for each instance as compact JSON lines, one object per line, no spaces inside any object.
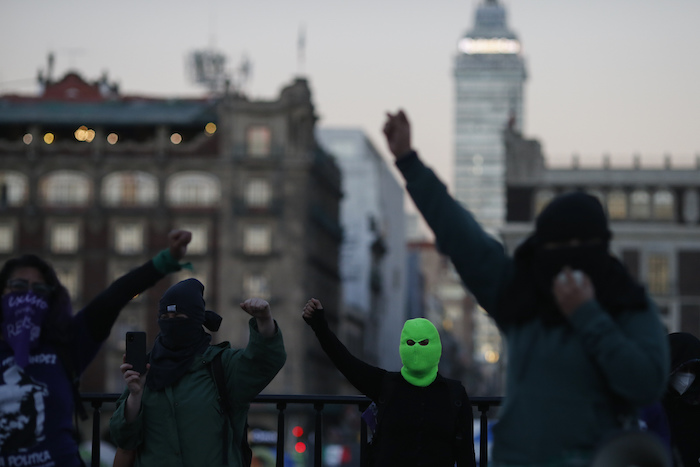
{"x":682,"y":399}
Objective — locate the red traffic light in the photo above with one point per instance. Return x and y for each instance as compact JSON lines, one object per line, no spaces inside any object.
{"x":300,"y":447}
{"x":297,"y":431}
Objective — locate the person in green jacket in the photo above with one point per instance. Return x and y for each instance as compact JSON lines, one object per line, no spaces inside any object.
{"x":585,"y":344}
{"x":171,"y":415}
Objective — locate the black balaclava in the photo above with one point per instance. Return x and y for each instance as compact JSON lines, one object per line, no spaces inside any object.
{"x":180,"y":339}
{"x":682,"y":398}
{"x":575,"y":215}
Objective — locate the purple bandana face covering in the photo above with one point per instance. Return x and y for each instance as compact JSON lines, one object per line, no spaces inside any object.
{"x":22,"y":315}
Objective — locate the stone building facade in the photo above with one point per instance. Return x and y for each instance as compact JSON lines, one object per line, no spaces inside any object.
{"x":93,"y":181}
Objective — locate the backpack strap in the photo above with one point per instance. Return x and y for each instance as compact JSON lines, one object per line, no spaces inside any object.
{"x":217,"y":370}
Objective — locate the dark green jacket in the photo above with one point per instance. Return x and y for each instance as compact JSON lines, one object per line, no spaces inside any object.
{"x":181,"y":426}
{"x":560,"y":380}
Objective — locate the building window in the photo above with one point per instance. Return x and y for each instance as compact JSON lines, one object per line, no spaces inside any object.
{"x":193,"y":189}
{"x":130,"y":189}
{"x":66,"y":188}
{"x":663,"y":205}
{"x":542,"y":199}
{"x":256,"y":285}
{"x":257,"y":239}
{"x":259,"y":140}
{"x":13,"y":189}
{"x":658,"y":279}
{"x":7,"y":238}
{"x":617,"y":204}
{"x":200,"y":238}
{"x":640,"y":205}
{"x":258,"y":193}
{"x":64,"y":237}
{"x":598,"y":194}
{"x":128,"y":239}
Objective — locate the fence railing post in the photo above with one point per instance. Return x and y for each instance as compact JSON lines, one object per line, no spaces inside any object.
{"x":280,"y":434}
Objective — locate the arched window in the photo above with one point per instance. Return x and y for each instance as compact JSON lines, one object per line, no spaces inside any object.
{"x":663,"y":205}
{"x":129,"y":188}
{"x":193,"y":189}
{"x":13,"y":188}
{"x":640,"y":204}
{"x":617,"y":204}
{"x":66,"y":188}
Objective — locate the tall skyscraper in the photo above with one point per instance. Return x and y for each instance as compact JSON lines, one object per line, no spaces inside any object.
{"x":489,"y":77}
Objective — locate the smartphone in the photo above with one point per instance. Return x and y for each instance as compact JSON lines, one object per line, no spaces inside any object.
{"x":136,"y":350}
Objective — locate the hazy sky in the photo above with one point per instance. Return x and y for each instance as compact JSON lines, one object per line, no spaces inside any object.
{"x":604,"y":76}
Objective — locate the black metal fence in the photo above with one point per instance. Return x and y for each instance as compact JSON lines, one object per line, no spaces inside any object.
{"x":318,"y":402}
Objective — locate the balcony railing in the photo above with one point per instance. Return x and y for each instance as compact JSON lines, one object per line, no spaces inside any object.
{"x":318,"y":402}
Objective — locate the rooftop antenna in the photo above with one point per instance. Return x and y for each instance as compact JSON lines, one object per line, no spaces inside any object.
{"x":301,"y":49}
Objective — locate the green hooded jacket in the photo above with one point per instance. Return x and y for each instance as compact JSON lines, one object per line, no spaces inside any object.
{"x":181,"y":425}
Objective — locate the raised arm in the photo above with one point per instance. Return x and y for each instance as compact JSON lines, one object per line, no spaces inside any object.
{"x":365,"y":377}
{"x":103,"y":310}
{"x":479,"y":258}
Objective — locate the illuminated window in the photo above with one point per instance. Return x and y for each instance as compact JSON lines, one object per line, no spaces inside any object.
{"x":259,"y":139}
{"x":64,"y":237}
{"x":658,"y":280}
{"x":617,"y":204}
{"x":256,"y":285}
{"x":130,"y":189}
{"x":542,"y":199}
{"x":13,"y":189}
{"x":128,"y":238}
{"x":66,"y":188}
{"x":7,"y":238}
{"x":663,"y":205}
{"x":258,"y":193}
{"x":200,"y":238}
{"x":193,"y":189}
{"x":69,"y":277}
{"x":640,"y":205}
{"x":257,"y":239}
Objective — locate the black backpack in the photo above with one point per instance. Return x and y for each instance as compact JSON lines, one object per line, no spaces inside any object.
{"x":217,"y":370}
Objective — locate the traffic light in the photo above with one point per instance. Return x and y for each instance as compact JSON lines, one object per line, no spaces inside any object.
{"x":299,"y":446}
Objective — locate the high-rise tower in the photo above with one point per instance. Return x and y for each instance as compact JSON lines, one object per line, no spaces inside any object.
{"x":489,"y":78}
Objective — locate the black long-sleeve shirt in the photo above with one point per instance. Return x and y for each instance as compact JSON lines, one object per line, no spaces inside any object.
{"x":414,"y":427}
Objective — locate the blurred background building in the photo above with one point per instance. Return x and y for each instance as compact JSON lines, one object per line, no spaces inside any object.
{"x":93,"y":181}
{"x":373,"y":253}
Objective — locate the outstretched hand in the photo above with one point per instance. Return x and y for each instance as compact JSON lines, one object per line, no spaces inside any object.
{"x":310,"y":308}
{"x":397,"y":131}
{"x":178,"y":241}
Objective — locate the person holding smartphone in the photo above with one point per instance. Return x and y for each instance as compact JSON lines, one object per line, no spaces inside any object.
{"x":44,"y":347}
{"x":172,"y":414}
{"x":585,"y":349}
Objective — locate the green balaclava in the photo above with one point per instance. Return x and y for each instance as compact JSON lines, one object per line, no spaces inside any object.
{"x":420,"y":351}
